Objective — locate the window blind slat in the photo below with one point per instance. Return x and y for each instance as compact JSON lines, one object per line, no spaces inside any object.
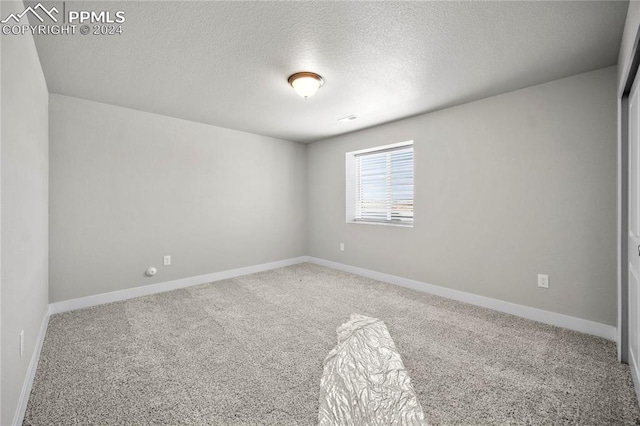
{"x":384,"y":185}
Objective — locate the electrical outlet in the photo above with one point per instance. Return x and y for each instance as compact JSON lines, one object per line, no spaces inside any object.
{"x":21,"y":343}
{"x":167,"y":260}
{"x":543,"y":281}
{"x":341,"y":246}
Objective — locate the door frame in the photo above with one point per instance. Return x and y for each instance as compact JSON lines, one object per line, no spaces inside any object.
{"x":628,"y":77}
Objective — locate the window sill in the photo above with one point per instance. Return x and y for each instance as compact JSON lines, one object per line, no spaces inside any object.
{"x":364,"y":222}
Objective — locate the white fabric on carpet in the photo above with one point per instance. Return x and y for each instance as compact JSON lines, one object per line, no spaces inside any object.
{"x":364,"y":380}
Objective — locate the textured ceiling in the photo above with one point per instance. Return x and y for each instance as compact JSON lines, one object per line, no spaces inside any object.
{"x":227,"y":63}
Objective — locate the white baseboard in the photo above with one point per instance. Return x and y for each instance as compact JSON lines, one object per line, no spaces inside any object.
{"x":31,"y":373}
{"x":578,"y":324}
{"x":99,"y":299}
{"x":115,"y":296}
{"x":565,"y":321}
{"x":608,"y":332}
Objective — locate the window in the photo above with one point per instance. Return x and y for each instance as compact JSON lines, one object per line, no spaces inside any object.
{"x":380,"y":185}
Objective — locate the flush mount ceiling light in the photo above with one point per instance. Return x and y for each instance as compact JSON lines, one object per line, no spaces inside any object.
{"x":306,"y":83}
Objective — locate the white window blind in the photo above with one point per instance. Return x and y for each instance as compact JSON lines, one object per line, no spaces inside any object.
{"x":384,"y":186}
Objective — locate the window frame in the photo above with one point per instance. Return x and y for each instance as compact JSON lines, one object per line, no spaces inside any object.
{"x":350,"y":187}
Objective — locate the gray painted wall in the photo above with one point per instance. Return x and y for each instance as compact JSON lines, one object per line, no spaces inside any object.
{"x":505,"y":188}
{"x":128,"y":187}
{"x":24,"y":217}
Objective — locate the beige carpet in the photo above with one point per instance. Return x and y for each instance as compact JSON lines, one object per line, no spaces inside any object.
{"x":249,"y":351}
